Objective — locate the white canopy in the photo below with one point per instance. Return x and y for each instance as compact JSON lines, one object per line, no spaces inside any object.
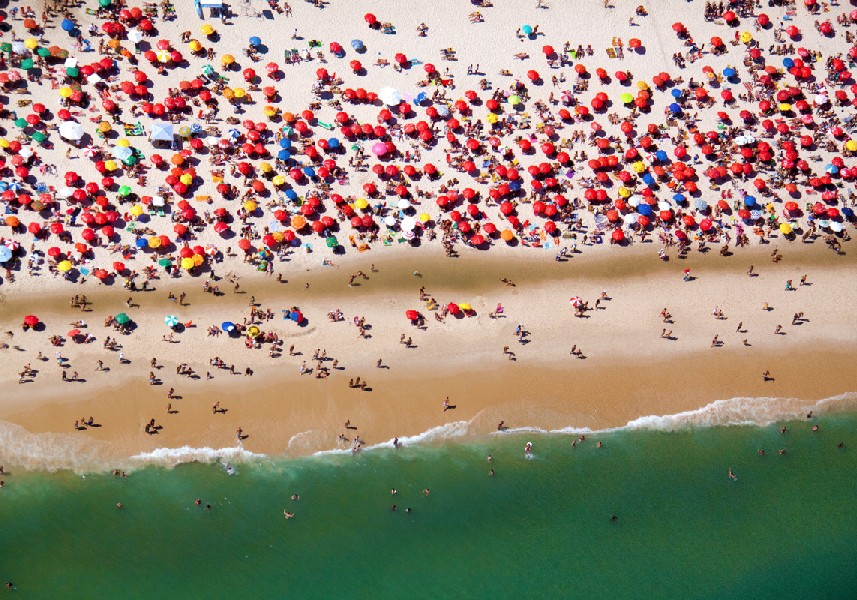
{"x":71,"y":130}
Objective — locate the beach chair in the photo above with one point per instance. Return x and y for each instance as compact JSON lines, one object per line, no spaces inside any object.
{"x":133,"y":129}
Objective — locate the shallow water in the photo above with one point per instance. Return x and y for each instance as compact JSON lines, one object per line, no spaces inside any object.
{"x":540,"y":527}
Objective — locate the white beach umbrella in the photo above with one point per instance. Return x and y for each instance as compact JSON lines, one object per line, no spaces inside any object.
{"x":403,"y":204}
{"x":408,"y":223}
{"x":71,"y":130}
{"x":390,"y":96}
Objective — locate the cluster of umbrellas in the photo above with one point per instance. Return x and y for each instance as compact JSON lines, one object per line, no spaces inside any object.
{"x":647,"y":185}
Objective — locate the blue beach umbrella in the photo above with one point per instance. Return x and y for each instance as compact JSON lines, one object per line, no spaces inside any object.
{"x":309,"y":172}
{"x":788,"y":63}
{"x":729,"y":72}
{"x":67,"y":25}
{"x":5,"y":254}
{"x":648,"y":179}
{"x":679,"y":198}
{"x":676,"y":93}
{"x":675,"y":108}
{"x":357,"y":44}
{"x":527,"y":29}
{"x":291,"y":194}
{"x":255,"y":41}
{"x":171,"y":320}
{"x":285,"y":143}
{"x":228,"y":326}
{"x":141,"y":242}
{"x":333,"y":143}
{"x":284,"y":154}
{"x":750,"y":201}
{"x":661,"y":155}
{"x":700,"y":204}
{"x":644,"y":209}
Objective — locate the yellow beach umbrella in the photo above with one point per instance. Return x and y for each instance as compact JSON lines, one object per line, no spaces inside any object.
{"x":228,"y":93}
{"x":465,"y":306}
{"x":186,"y":178}
{"x":424,"y":217}
{"x":785,"y":107}
{"x":64,"y":266}
{"x":491,"y":118}
{"x":265,"y":167}
{"x":65,"y":91}
{"x":639,"y":167}
{"x":197,"y":259}
{"x":187,"y":263}
{"x":123,"y":143}
{"x":746,"y":37}
{"x":111,"y":165}
{"x":253,"y":331}
{"x":250,"y":206}
{"x":785,"y":228}
{"x":195,"y":46}
{"x":269,"y":111}
{"x":4,"y":143}
{"x":206,"y":29}
{"x":279,"y":180}
{"x":851,"y":146}
{"x":239,"y":93}
{"x":136,"y":210}
{"x":154,"y":242}
{"x":624,"y":192}
{"x":361,"y":203}
{"x":279,"y":237}
{"x":227,"y":59}
{"x":31,"y":44}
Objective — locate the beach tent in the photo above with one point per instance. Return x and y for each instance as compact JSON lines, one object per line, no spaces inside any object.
{"x":216,"y":7}
{"x":162,"y":132}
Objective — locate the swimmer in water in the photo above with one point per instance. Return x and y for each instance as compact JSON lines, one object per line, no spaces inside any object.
{"x":288,"y":515}
{"x":731,"y":474}
{"x":528,"y":448}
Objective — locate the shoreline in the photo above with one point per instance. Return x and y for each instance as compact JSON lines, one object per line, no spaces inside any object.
{"x":289,"y":415}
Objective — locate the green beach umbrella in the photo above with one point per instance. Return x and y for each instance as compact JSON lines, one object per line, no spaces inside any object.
{"x":43,"y":52}
{"x":72,"y":71}
{"x":130,"y":160}
{"x":626,"y":98}
{"x":165,"y":262}
{"x":5,"y":47}
{"x":27,"y":64}
{"x":39,"y":136}
{"x":104,"y":3}
{"x":527,"y":29}
{"x":20,"y":122}
{"x":331,"y":242}
{"x":122,"y":319}
{"x":124,"y":190}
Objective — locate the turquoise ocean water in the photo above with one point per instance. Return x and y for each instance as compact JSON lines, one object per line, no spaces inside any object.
{"x":539,"y":528}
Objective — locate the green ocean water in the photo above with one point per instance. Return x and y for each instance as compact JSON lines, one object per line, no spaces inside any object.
{"x":539,"y":528}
